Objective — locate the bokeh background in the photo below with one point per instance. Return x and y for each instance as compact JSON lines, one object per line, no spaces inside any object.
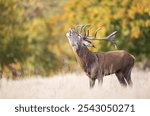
{"x":33,"y":41}
{"x":36,"y":60}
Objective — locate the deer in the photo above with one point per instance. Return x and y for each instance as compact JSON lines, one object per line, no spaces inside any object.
{"x":96,"y":65}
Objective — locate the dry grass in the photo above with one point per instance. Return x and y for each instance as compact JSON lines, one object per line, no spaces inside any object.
{"x":75,"y":86}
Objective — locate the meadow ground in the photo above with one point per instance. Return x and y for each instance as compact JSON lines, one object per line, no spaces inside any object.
{"x":75,"y":85}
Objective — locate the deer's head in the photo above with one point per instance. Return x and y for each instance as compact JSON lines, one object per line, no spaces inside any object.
{"x":79,"y":38}
{"x":76,"y":40}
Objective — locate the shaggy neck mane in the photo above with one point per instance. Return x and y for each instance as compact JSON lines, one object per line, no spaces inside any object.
{"x":83,"y":52}
{"x":85,"y":56}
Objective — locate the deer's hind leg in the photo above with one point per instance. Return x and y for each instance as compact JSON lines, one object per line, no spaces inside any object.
{"x":127,"y":75}
{"x":121,"y":78}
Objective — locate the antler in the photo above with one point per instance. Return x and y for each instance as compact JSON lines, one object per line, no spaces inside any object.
{"x":81,"y":28}
{"x":110,"y":38}
{"x":86,"y":36}
{"x":98,"y":30}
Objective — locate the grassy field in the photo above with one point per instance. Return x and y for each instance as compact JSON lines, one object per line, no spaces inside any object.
{"x":75,"y":86}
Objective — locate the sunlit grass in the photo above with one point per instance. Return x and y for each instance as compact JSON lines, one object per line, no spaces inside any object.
{"x":75,"y":85}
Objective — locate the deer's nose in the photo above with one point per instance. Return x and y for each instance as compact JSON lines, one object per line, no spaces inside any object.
{"x":67,"y":34}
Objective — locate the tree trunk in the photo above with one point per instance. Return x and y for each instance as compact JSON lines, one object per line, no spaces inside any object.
{"x":1,"y":72}
{"x":13,"y":71}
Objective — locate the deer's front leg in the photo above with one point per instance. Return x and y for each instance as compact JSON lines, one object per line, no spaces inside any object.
{"x":100,"y":78}
{"x":92,"y":82}
{"x":93,"y":76}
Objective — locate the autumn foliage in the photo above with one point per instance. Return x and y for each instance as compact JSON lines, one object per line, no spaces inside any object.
{"x":32,"y":32}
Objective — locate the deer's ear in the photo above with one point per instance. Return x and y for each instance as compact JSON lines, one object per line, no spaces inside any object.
{"x":88,"y":43}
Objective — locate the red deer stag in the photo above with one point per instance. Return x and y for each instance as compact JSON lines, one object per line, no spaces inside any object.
{"x":99,"y":64}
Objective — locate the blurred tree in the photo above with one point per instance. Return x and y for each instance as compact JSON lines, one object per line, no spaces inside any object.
{"x":13,"y":42}
{"x":32,"y":32}
{"x":43,"y":59}
{"x":25,"y":36}
{"x":130,"y":18}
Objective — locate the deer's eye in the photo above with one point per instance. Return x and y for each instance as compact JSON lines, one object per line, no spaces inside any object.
{"x":70,"y":33}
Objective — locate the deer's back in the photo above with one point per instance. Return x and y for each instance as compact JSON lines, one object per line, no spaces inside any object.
{"x":115,"y":60}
